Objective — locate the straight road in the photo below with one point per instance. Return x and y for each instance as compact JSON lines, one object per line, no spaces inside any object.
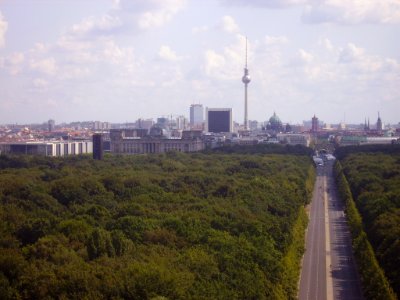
{"x":328,"y":268}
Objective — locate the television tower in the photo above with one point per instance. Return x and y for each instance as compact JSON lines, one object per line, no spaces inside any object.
{"x":246,"y":80}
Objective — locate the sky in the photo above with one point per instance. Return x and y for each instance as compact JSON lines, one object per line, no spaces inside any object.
{"x":120,"y":60}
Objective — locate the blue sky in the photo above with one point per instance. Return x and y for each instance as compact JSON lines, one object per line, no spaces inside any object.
{"x":122,"y":60}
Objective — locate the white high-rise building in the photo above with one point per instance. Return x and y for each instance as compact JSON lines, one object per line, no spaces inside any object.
{"x":97,"y":125}
{"x":181,"y":123}
{"x":196,"y":115}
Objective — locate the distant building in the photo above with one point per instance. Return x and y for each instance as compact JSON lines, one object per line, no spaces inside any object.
{"x":219,"y":120}
{"x":297,"y":128}
{"x":144,"y":124}
{"x":253,"y":125}
{"x":48,"y":148}
{"x":379,"y":124}
{"x":177,"y":123}
{"x":123,"y":142}
{"x":274,"y":123}
{"x":382,"y":140}
{"x":118,"y":134}
{"x":181,"y":123}
{"x":98,"y":146}
{"x":196,"y":115}
{"x":342,"y":126}
{"x":366,"y":125}
{"x":294,"y":139}
{"x":364,"y":140}
{"x":314,"y":124}
{"x":163,"y":122}
{"x":51,"y":125}
{"x":97,"y":125}
{"x":192,"y":134}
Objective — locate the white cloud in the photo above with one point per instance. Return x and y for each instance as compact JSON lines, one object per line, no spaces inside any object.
{"x":350,"y":53}
{"x":13,"y":63}
{"x":47,"y":65}
{"x":228,"y":24}
{"x":3,"y":30}
{"x":40,"y":48}
{"x":229,"y":64}
{"x":16,"y":58}
{"x":71,"y":43}
{"x":116,"y":54}
{"x":40,"y":83}
{"x":156,"y":12}
{"x":352,"y":11}
{"x":97,"y":26}
{"x":199,"y":29}
{"x":265,"y":3}
{"x":302,"y":58}
{"x":335,"y":11}
{"x":326,"y":43}
{"x":213,"y":62}
{"x":276,"y":40}
{"x":305,"y":56}
{"x":365,"y":64}
{"x":116,"y":4}
{"x":73,"y":72}
{"x":153,"y":19}
{"x":128,"y":16}
{"x":171,"y":77}
{"x":166,"y":53}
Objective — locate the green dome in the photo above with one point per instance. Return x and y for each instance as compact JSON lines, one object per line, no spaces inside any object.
{"x":274,"y":123}
{"x":275,"y":119}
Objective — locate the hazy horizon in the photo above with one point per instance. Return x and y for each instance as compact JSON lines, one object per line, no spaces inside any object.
{"x":118,"y":61}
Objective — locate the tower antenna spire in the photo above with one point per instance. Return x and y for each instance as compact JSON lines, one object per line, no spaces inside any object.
{"x":246,"y":54}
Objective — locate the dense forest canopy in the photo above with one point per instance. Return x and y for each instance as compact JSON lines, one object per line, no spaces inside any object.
{"x":373,"y":173}
{"x":173,"y":226}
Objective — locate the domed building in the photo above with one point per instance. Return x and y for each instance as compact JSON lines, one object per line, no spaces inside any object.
{"x":274,"y":123}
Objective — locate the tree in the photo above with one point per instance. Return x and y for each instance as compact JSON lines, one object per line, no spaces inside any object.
{"x":99,"y":243}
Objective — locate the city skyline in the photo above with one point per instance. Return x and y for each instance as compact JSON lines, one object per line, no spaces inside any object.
{"x":123,"y":60}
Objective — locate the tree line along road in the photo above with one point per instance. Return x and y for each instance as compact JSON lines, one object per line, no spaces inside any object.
{"x":328,"y":268}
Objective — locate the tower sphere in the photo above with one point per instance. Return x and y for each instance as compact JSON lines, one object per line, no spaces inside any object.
{"x":246,"y":79}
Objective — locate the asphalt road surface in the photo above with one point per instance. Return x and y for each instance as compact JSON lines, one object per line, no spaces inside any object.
{"x":328,"y":268}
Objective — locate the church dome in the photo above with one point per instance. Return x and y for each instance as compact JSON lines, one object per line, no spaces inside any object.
{"x":274,"y":122}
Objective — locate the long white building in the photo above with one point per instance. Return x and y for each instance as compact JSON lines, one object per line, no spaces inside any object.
{"x":294,"y":138}
{"x":48,"y":148}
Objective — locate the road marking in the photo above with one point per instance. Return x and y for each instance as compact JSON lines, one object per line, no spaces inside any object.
{"x":329,"y":281}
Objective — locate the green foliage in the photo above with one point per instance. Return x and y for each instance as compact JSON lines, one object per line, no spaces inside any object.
{"x":68,"y":190}
{"x":291,"y":261}
{"x":33,"y":229}
{"x":266,"y":149}
{"x":342,"y":152}
{"x":373,"y":173}
{"x":375,"y":285}
{"x":99,"y":243}
{"x":227,"y":224}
